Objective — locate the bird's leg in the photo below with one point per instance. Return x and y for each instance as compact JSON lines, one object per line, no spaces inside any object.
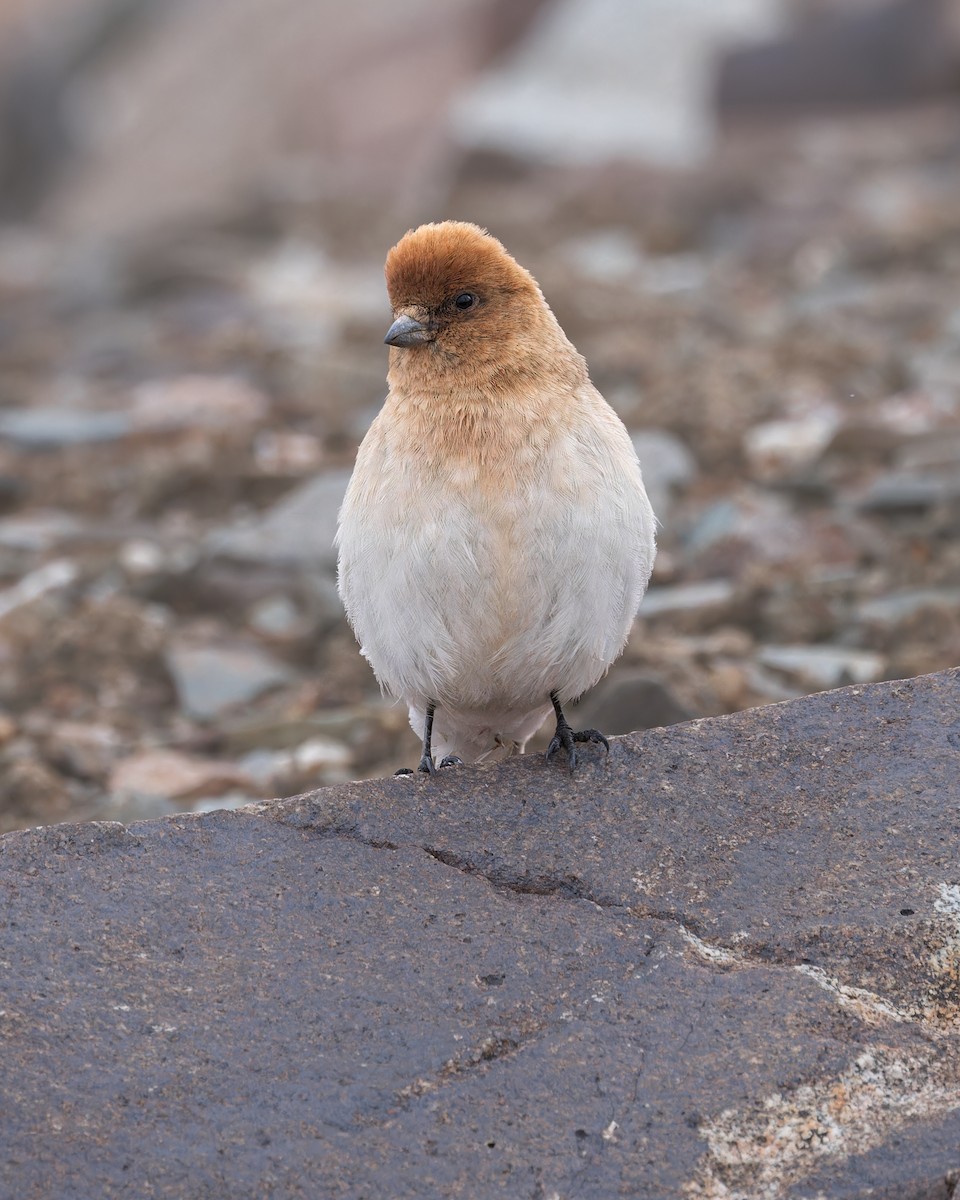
{"x":426,"y":758}
{"x":427,"y":765}
{"x":565,"y":738}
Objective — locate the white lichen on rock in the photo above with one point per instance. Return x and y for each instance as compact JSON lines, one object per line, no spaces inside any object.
{"x":758,"y":1153}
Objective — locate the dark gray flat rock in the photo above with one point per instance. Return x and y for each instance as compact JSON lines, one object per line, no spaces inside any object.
{"x":723,"y":962}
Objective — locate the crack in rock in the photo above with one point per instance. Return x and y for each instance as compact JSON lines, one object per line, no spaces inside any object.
{"x":568,"y":888}
{"x":936,"y":1010}
{"x":353,"y":835}
{"x":494,"y":1048}
{"x":687,"y":924}
{"x":348,"y":833}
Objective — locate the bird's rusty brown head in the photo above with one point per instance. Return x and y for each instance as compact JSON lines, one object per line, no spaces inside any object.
{"x":453,"y":286}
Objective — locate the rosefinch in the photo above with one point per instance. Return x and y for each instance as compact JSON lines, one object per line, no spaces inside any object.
{"x":495,"y":539}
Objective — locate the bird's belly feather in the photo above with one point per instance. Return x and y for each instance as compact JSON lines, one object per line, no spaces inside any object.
{"x":490,"y":604}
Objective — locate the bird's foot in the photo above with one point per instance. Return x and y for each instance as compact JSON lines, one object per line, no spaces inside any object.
{"x":428,"y":767}
{"x":566,"y":738}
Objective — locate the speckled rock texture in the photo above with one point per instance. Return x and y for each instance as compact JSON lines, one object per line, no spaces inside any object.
{"x":722,"y":963}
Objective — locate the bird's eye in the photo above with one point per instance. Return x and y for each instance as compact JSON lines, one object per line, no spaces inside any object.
{"x":466,"y":300}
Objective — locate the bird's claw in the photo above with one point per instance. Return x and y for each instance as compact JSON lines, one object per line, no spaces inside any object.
{"x":565,"y":739}
{"x":427,"y":766}
{"x":592,"y":735}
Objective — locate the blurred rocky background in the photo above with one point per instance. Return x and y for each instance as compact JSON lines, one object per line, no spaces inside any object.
{"x":746,"y":213}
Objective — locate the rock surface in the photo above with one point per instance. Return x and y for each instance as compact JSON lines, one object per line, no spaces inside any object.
{"x":721,"y":963}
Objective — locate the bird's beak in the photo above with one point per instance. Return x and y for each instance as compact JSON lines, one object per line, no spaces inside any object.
{"x":408,"y":331}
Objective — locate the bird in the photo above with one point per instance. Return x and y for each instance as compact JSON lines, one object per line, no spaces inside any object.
{"x":495,"y":539}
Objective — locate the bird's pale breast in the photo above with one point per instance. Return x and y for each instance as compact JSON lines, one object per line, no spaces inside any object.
{"x":489,"y":598}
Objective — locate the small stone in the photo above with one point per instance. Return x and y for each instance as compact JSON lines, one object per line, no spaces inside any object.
{"x":778,"y":448}
{"x":713,"y":524}
{"x":769,"y":686}
{"x":228,"y":801}
{"x":915,"y":414}
{"x":287,"y":453}
{"x":606,"y":255}
{"x":684,"y":597}
{"x":38,"y":530}
{"x":316,"y":760}
{"x":905,"y":493}
{"x":84,"y":751}
{"x":31,"y":788}
{"x":264,"y":766}
{"x":211,"y":679}
{"x":55,"y":428}
{"x":729,"y":683}
{"x":208,"y":401}
{"x":141,"y":558}
{"x":317,"y":753}
{"x":894,"y":427}
{"x":666,"y":274}
{"x":668,"y":467}
{"x":757,"y":526}
{"x":354,"y":727}
{"x":297,"y":531}
{"x":279,"y":618}
{"x":51,"y":577}
{"x":824,"y":666}
{"x":309,"y":295}
{"x":170,"y":775}
{"x":931,"y":452}
{"x":895,"y":607}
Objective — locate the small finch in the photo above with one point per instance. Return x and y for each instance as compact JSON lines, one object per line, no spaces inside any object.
{"x":495,"y":540}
